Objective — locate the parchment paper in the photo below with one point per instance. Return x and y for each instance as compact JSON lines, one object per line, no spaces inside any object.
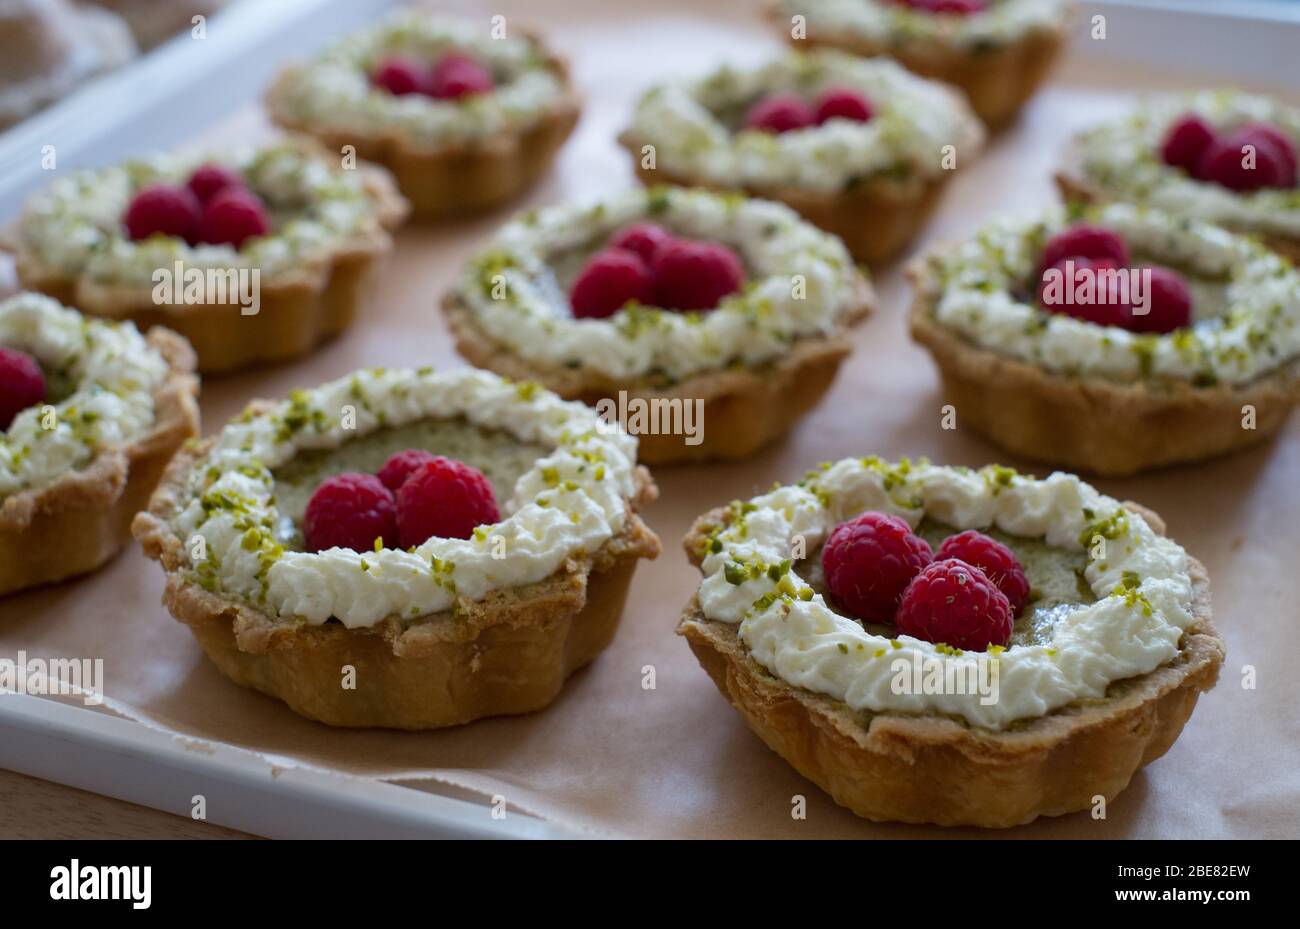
{"x":614,"y":758}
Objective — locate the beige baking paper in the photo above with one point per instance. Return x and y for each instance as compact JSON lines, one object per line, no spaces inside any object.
{"x":615,"y":758}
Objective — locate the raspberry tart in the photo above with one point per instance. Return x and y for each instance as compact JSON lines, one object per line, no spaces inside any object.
{"x":450,"y":545}
{"x":464,"y":120}
{"x":1200,"y":358}
{"x":661,"y":302}
{"x":997,"y":51}
{"x":944,"y":645}
{"x":252,"y":257}
{"x":90,"y":413}
{"x":856,"y":146}
{"x":1224,"y":157}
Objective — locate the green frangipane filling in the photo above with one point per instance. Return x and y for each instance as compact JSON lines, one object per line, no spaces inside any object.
{"x":501,"y":457}
{"x":1056,"y":581}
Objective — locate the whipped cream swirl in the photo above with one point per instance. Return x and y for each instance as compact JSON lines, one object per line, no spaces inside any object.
{"x":913,"y":123}
{"x":103,"y":375}
{"x":891,"y":24}
{"x":1142,"y":584}
{"x":1255,"y":295}
{"x":333,"y":92}
{"x":569,"y":503}
{"x":75,"y":225}
{"x":802,"y":283}
{"x":1121,"y":158}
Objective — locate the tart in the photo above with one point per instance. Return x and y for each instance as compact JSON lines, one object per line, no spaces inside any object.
{"x":706,"y":324}
{"x":996,"y":51}
{"x":1045,"y":708}
{"x":449,"y":545}
{"x":1223,"y":157}
{"x":464,"y":120}
{"x":1213,"y":366}
{"x":855,"y":146}
{"x":90,"y":413}
{"x":252,"y":257}
{"x":49,"y":48}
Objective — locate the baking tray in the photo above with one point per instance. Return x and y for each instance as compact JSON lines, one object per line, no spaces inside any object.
{"x":180,"y":90}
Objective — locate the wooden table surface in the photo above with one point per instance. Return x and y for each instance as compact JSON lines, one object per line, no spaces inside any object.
{"x":36,"y":809}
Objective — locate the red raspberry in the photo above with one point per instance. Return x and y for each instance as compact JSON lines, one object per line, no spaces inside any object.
{"x":959,"y":7}
{"x":780,"y":113}
{"x":956,"y":604}
{"x":1083,"y":241}
{"x":399,"y":467}
{"x":1105,"y":309}
{"x":608,"y":281}
{"x":1284,"y":144}
{"x":1223,"y":163}
{"x":999,"y":564}
{"x":694,"y":275}
{"x":457,"y":75}
{"x":162,"y":209}
{"x":642,"y":239}
{"x":1185,"y":141}
{"x":1170,"y":304}
{"x":401,"y":76}
{"x":843,"y":103}
{"x":22,"y":384}
{"x":868,"y":563}
{"x":209,"y":180}
{"x":349,"y":510}
{"x":445,"y":498}
{"x":232,"y":217}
